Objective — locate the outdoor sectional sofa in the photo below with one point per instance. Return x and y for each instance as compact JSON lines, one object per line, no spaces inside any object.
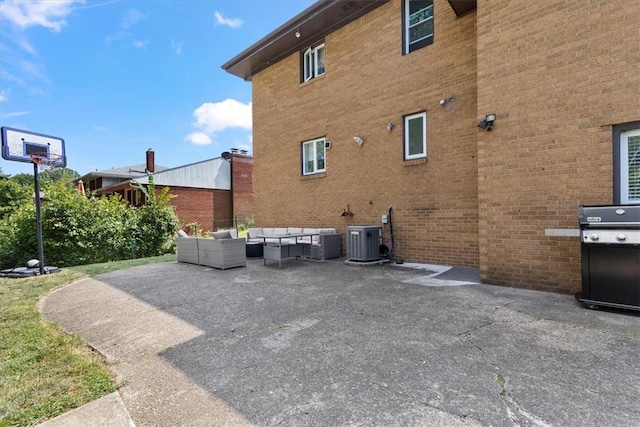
{"x":221,"y":252}
{"x":326,"y":245}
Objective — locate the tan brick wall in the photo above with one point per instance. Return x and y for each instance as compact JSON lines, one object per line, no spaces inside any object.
{"x":369,"y":83}
{"x":558,"y":75}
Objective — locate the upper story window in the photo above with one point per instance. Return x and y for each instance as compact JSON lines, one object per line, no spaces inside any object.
{"x":313,"y":156}
{"x":417,"y":24}
{"x":415,"y":136}
{"x":313,"y":62}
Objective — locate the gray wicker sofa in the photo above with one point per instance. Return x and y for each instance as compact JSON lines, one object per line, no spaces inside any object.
{"x":219,"y":253}
{"x":326,"y":245}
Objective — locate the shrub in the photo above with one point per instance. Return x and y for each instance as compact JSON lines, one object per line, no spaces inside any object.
{"x":80,"y":230}
{"x":12,"y":196}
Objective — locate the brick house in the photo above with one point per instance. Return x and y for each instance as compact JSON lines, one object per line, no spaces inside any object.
{"x":214,"y":193}
{"x":374,"y":104}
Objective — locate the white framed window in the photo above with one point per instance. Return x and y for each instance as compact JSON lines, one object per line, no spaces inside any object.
{"x":313,"y":62}
{"x":630,"y":166}
{"x":415,"y":136}
{"x":417,"y":24}
{"x":313,"y":156}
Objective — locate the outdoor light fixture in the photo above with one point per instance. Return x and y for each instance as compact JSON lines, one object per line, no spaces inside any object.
{"x":389,"y":127}
{"x":450,"y":100}
{"x":487,"y":122}
{"x":298,"y":33}
{"x":358,"y":140}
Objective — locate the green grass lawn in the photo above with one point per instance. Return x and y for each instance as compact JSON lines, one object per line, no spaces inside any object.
{"x":45,"y":372}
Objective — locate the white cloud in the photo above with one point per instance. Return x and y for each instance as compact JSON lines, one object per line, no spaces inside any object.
{"x":140,"y":44}
{"x":34,"y":70}
{"x":214,"y":117}
{"x":128,"y":39}
{"x":16,"y":114}
{"x":3,"y":96}
{"x":198,"y":138}
{"x":26,"y":45}
{"x":176,"y":47}
{"x":132,"y":17}
{"x":229,"y":22}
{"x":248,"y":145}
{"x":31,"y":13}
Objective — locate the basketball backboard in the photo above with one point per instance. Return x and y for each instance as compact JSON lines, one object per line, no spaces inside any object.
{"x":18,"y":146}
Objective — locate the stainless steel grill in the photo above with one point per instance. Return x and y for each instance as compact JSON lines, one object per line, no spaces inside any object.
{"x":610,"y":256}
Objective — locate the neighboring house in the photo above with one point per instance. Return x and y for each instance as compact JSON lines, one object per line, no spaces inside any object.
{"x":214,"y":193}
{"x":118,"y":180}
{"x":368,"y":104}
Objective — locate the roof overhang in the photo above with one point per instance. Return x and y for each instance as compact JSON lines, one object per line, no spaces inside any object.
{"x":460,"y":7}
{"x":314,"y":23}
{"x":114,"y":188}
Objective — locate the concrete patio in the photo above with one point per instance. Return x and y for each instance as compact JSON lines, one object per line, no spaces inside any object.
{"x":327,"y":344}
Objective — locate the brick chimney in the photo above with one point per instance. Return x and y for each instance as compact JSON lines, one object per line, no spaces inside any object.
{"x":151,"y":161}
{"x":242,"y":185}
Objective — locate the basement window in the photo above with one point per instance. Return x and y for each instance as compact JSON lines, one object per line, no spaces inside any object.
{"x":313,"y":156}
{"x":417,"y":24}
{"x":313,"y":62}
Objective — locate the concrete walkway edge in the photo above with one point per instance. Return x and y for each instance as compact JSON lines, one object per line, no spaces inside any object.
{"x":108,"y":411}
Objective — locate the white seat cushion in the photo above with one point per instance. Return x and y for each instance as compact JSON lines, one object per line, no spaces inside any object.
{"x":254,"y":232}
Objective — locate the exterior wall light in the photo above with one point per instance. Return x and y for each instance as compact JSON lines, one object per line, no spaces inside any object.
{"x":358,"y":140}
{"x":487,"y":122}
{"x":450,"y":100}
{"x":389,"y":127}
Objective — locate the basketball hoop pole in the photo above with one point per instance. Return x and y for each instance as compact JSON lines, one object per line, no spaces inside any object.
{"x":36,"y":182}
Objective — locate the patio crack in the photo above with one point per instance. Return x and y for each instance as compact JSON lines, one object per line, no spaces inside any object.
{"x":515,"y":411}
{"x":405,"y":396}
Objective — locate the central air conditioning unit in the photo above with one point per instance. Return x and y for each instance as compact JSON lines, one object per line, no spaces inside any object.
{"x":363,"y":242}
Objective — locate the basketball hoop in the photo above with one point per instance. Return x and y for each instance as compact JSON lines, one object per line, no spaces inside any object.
{"x":46,"y":160}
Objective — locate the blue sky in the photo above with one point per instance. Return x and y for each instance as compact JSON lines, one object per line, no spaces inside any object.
{"x":116,"y":77}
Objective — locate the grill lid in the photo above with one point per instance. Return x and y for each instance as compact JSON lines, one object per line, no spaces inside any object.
{"x":609,"y":216}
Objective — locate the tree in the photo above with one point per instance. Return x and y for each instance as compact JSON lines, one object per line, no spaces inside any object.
{"x":58,"y":175}
{"x":48,"y":177}
{"x":24,"y":179}
{"x":12,"y":196}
